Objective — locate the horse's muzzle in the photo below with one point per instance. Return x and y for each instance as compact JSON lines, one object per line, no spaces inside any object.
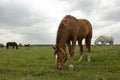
{"x":59,"y":67}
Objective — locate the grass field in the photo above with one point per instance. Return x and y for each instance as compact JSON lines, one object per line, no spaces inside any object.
{"x":38,"y":63}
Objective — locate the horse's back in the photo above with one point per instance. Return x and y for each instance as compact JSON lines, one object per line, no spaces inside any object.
{"x":11,"y":43}
{"x":111,"y":38}
{"x":85,"y":27}
{"x":105,"y":38}
{"x":74,"y":28}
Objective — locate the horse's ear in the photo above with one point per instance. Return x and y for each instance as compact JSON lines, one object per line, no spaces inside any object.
{"x":54,"y":49}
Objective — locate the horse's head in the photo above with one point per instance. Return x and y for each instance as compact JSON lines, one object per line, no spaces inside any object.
{"x":61,"y":57}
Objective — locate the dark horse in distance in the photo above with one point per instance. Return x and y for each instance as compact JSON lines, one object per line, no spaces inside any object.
{"x":69,"y":31}
{"x":13,"y":44}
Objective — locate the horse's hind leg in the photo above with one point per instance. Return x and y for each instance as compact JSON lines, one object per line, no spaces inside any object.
{"x":69,"y":46}
{"x":111,"y":45}
{"x":88,"y":44}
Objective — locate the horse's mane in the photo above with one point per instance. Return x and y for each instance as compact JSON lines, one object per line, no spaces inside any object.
{"x":62,"y":32}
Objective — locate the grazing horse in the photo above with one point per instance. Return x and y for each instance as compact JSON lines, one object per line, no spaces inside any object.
{"x":104,"y":39}
{"x":27,"y":45}
{"x":69,"y":31}
{"x":13,"y":44}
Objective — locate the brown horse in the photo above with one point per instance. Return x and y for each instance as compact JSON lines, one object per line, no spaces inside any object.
{"x":13,"y":44}
{"x":27,"y":45}
{"x":69,"y":31}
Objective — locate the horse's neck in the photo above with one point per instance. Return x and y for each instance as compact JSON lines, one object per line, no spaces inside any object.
{"x":61,"y":44}
{"x":61,"y":39}
{"x":98,"y":40}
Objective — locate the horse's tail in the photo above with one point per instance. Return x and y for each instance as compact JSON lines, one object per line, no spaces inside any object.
{"x":89,"y":36}
{"x":88,"y":42}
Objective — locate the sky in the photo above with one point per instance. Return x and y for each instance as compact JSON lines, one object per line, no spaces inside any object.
{"x":37,"y":21}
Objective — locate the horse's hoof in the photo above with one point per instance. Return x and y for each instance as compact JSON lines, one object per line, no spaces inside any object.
{"x":71,"y":67}
{"x":89,"y":58}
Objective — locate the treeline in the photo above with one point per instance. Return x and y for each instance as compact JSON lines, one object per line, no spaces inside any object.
{"x":2,"y":45}
{"x":43,"y":45}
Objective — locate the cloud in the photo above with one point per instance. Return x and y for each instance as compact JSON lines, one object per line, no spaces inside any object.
{"x":41,"y":35}
{"x":36,"y":22}
{"x":83,"y":6}
{"x":109,"y":11}
{"x":112,"y":15}
{"x":110,"y":30}
{"x":17,"y":14}
{"x":8,"y":35}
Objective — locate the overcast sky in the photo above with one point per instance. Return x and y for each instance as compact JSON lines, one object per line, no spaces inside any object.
{"x":36,"y":21}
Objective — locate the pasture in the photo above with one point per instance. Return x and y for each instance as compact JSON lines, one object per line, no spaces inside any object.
{"x":38,"y":63}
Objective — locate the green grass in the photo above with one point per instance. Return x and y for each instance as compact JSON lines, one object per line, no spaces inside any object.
{"x":38,"y":63}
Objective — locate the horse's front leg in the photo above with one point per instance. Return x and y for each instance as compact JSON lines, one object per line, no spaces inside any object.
{"x":13,"y":47}
{"x":7,"y":46}
{"x":72,"y":48}
{"x":111,"y":45}
{"x":69,"y":46}
{"x":81,"y":50}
